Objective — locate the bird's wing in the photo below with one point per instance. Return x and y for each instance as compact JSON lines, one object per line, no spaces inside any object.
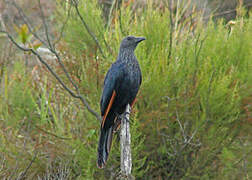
{"x":140,"y":77}
{"x":109,"y":91}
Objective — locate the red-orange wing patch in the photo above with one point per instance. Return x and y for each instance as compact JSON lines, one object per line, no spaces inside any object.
{"x":132,"y":104}
{"x":109,"y":107}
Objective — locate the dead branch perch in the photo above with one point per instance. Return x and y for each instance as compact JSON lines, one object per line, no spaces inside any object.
{"x":126,"y":160}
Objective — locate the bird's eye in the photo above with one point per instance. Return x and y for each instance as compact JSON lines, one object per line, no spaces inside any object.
{"x":128,"y":38}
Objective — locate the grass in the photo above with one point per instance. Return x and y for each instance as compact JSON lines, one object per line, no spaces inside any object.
{"x":191,"y":121}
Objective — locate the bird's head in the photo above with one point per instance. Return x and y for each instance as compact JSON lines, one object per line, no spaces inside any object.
{"x":130,"y":42}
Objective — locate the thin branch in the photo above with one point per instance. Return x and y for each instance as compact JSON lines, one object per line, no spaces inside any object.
{"x":65,"y":71}
{"x":170,"y":4}
{"x":28,"y":23}
{"x":32,"y":31}
{"x":29,"y":166}
{"x":52,"y":134}
{"x":63,"y":26}
{"x":110,"y":14}
{"x":197,"y":51}
{"x":208,"y":97}
{"x":180,"y":125}
{"x":52,"y":49}
{"x":2,"y":162}
{"x":2,"y":22}
{"x":78,"y":96}
{"x":120,"y":23}
{"x":45,"y":26}
{"x":88,"y":29}
{"x":227,"y":12}
{"x":183,"y":11}
{"x":242,"y":158}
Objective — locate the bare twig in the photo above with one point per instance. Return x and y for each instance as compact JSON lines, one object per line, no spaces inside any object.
{"x":45,"y":26}
{"x":227,"y":12}
{"x":2,"y":22}
{"x":110,"y":13}
{"x":29,"y":166}
{"x":52,"y":49}
{"x":78,"y":96}
{"x":2,"y":163}
{"x":171,"y":31}
{"x":180,"y":125}
{"x":31,"y":29}
{"x":197,"y":51}
{"x":52,"y":134}
{"x":64,"y":24}
{"x":27,"y":22}
{"x":48,"y":44}
{"x":243,"y":157}
{"x":87,"y":28}
{"x":120,"y":23}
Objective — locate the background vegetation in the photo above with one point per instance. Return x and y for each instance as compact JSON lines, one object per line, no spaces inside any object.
{"x":193,"y":116}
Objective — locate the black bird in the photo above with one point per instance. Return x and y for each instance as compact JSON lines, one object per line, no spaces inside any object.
{"x":121,"y":85}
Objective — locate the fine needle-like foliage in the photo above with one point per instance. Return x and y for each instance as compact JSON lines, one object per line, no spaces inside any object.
{"x":192,"y":118}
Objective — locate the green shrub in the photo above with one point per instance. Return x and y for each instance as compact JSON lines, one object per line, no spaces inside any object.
{"x":191,"y":120}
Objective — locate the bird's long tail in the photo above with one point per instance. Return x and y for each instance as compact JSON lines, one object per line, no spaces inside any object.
{"x":105,"y":142}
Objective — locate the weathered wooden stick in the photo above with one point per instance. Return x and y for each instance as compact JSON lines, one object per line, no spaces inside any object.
{"x":126,"y":160}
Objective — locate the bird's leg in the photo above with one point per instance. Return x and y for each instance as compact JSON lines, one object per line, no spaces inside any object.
{"x":119,"y":117}
{"x":127,"y":113}
{"x":117,"y":123}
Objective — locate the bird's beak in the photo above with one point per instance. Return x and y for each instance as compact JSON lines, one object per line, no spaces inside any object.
{"x":139,"y":39}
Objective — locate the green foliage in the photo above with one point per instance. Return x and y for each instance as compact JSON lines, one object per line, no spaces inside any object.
{"x":25,"y":37}
{"x":192,"y":118}
{"x":85,"y":154}
{"x":17,"y":97}
{"x":77,"y":36}
{"x":203,"y":81}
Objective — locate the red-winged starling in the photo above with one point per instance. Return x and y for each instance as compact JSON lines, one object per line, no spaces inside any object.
{"x":121,"y":85}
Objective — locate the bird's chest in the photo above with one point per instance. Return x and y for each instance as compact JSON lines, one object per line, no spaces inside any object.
{"x":130,"y":81}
